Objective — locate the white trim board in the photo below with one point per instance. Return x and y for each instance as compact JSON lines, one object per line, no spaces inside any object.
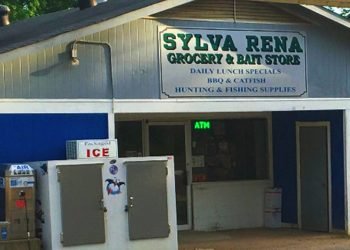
{"x":172,"y":106}
{"x":111,"y":126}
{"x":15,"y":106}
{"x":346,"y":131}
{"x":229,"y":105}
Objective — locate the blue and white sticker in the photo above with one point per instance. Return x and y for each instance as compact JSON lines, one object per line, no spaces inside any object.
{"x":113,"y":169}
{"x":20,"y":182}
{"x":13,"y":182}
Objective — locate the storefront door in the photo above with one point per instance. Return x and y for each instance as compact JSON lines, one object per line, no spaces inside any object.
{"x":313,"y":173}
{"x":170,"y":139}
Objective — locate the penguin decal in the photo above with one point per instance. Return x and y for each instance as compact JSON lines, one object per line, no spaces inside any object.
{"x":114,"y":186}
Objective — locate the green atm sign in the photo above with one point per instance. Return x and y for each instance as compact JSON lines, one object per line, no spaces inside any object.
{"x":202,"y":125}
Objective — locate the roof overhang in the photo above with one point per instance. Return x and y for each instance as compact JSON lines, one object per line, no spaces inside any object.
{"x":90,"y":29}
{"x":333,"y":3}
{"x":329,"y":15}
{"x":148,"y":11}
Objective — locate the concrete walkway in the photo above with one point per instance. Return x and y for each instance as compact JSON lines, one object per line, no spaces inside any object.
{"x":262,"y":239}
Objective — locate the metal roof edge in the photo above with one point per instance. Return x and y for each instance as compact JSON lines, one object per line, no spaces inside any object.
{"x":327,"y":14}
{"x":128,"y":17}
{"x":93,"y":28}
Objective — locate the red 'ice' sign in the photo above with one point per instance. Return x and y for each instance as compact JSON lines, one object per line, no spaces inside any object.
{"x":97,"y":149}
{"x":97,"y":152}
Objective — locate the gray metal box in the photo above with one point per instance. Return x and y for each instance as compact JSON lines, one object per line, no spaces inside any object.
{"x":20,"y":201}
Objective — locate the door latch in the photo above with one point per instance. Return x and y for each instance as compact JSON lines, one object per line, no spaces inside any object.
{"x":102,"y":206}
{"x":130,"y":205}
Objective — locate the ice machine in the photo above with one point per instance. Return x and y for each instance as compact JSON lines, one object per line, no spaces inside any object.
{"x":126,"y":203}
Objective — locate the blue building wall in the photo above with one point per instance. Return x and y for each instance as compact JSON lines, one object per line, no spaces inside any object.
{"x":285,"y":172}
{"x":36,"y":137}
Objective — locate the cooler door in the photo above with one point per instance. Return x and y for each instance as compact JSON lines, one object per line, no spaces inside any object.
{"x":147,"y":200}
{"x":81,"y":204}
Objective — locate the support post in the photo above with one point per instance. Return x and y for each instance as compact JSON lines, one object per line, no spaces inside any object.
{"x":111,"y":126}
{"x":347,"y":169}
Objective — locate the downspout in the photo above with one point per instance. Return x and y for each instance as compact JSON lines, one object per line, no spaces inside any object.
{"x":75,"y":61}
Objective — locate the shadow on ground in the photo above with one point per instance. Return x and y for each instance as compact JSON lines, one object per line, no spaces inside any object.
{"x":262,"y":239}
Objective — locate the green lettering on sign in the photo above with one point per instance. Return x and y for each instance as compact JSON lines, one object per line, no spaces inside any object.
{"x":202,"y":125}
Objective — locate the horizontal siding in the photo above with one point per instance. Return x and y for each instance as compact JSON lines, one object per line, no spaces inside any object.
{"x":135,"y":69}
{"x":137,"y":60}
{"x":50,"y":74}
{"x":240,"y":10}
{"x":327,"y":71}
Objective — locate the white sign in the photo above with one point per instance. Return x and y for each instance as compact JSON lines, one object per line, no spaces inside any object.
{"x":97,"y":149}
{"x":223,"y":63}
{"x":21,"y":169}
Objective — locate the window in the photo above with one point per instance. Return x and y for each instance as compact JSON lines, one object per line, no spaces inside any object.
{"x":129,"y":135}
{"x":234,"y":149}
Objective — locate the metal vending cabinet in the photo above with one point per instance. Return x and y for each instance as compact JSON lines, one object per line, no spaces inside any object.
{"x":107,"y":204}
{"x":20,"y":201}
